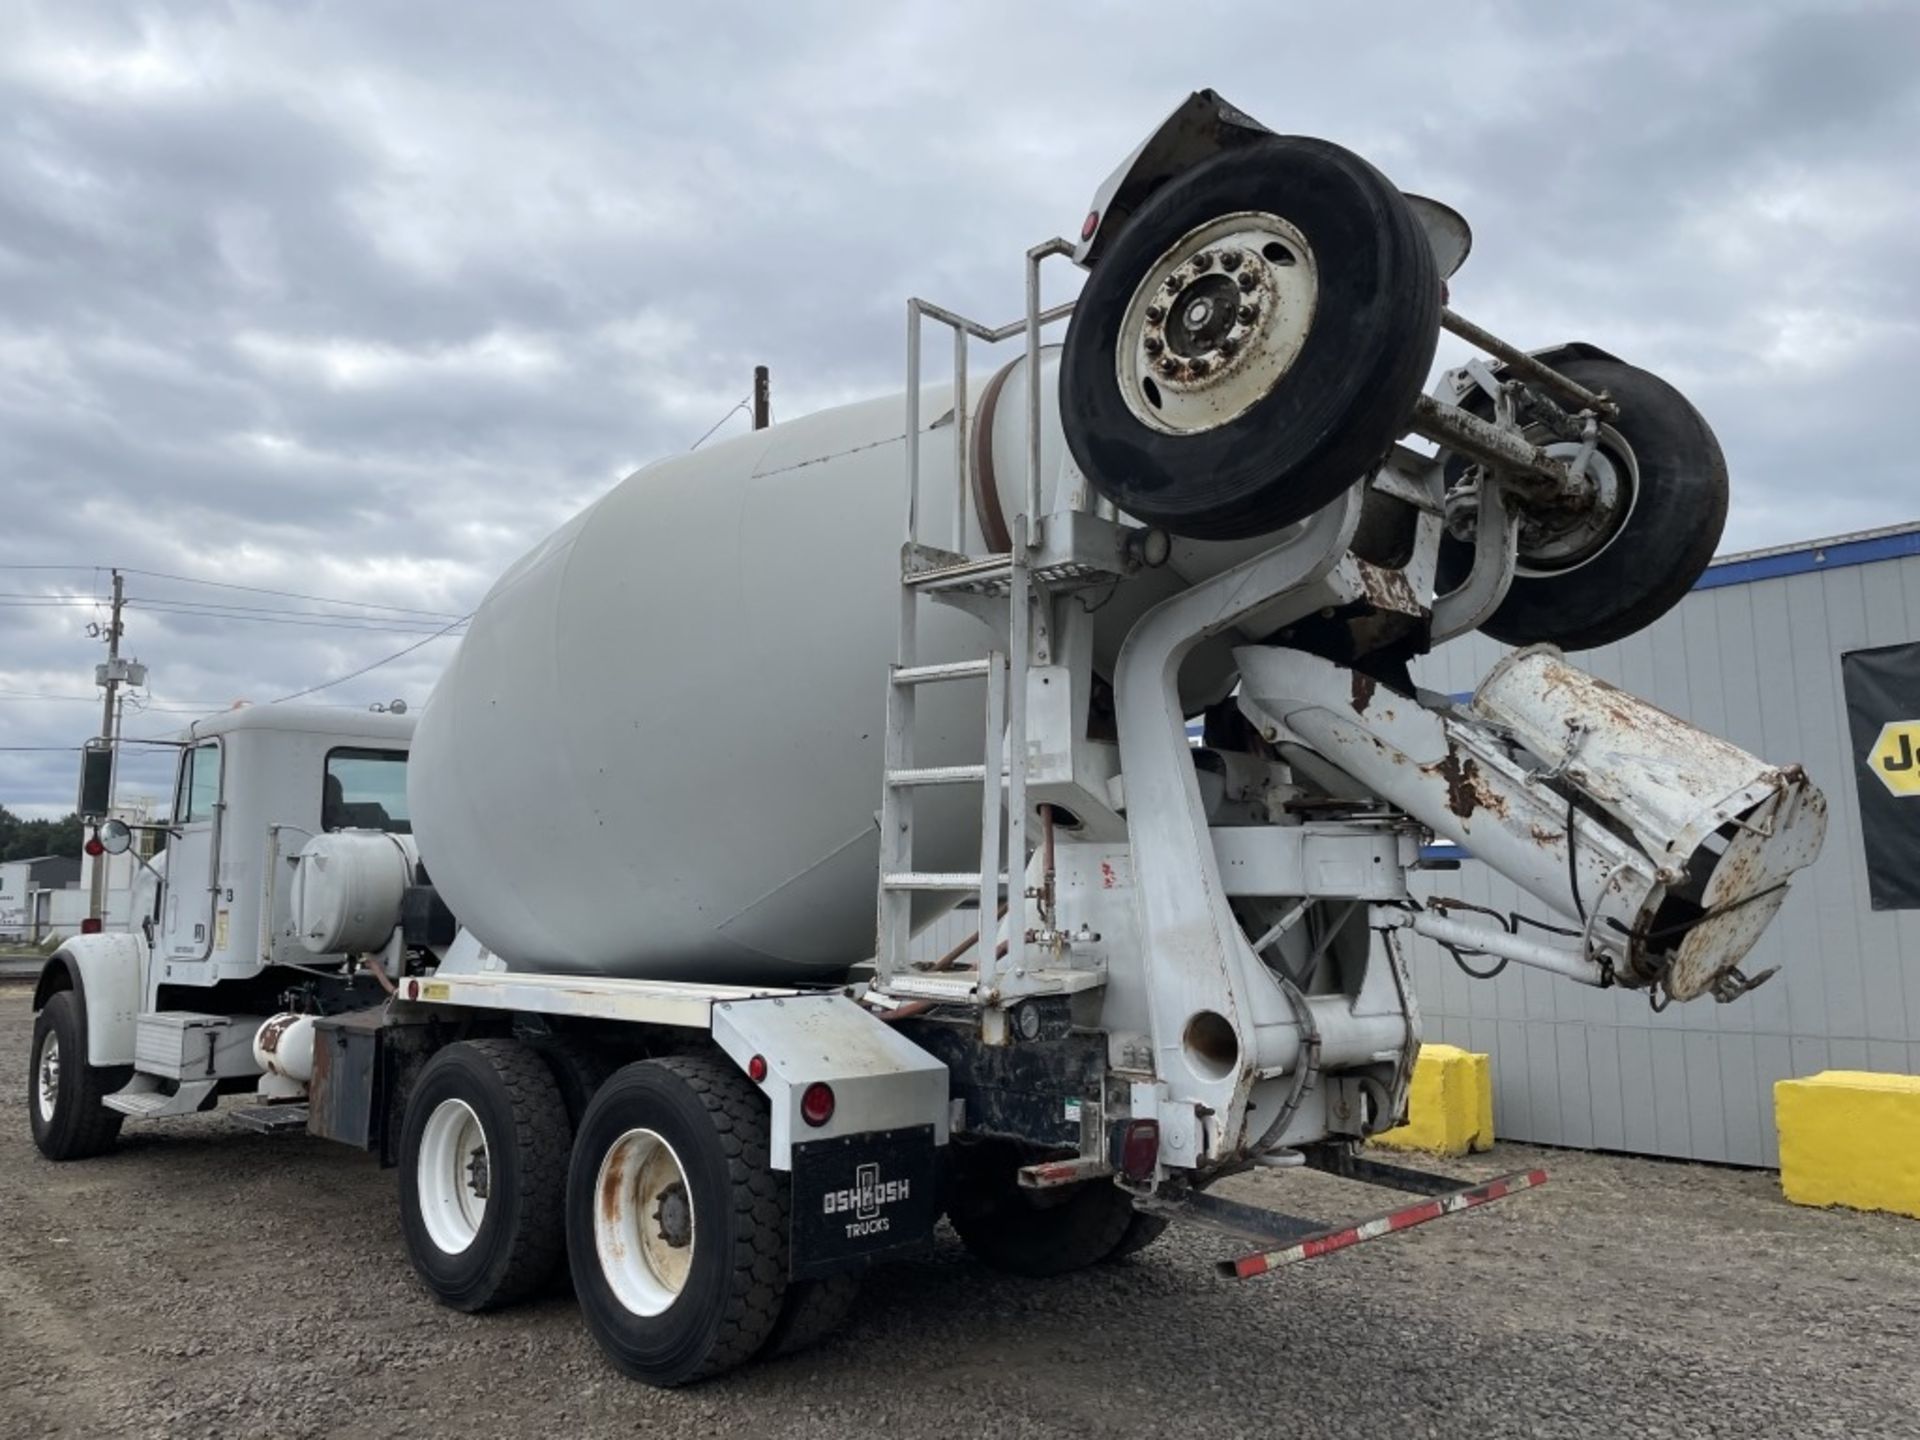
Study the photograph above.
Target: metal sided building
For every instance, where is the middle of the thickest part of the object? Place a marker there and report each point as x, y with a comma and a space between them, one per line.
1753, 654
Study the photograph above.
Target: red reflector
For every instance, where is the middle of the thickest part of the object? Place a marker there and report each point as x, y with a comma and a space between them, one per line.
816, 1103
1140, 1149
757, 1069
90, 926
94, 847
1090, 224
413, 989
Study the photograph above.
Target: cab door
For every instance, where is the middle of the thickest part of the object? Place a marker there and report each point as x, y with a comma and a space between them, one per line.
186, 916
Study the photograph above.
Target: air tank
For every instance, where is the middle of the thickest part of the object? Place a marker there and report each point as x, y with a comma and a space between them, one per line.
657, 752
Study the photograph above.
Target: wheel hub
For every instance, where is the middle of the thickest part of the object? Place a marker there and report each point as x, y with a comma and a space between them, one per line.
48, 1086
1216, 322
673, 1216
479, 1172
1555, 540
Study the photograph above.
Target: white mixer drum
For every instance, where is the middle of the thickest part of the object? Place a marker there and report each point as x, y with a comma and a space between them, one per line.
657, 752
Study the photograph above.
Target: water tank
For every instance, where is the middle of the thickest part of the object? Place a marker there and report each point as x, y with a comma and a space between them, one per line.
657, 751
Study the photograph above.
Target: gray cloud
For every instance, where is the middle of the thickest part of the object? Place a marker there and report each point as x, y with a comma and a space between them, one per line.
362, 300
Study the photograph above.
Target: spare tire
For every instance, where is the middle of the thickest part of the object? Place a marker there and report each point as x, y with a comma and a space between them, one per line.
1252, 343
1579, 587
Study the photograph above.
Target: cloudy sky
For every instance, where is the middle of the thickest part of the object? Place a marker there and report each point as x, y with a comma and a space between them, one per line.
357, 301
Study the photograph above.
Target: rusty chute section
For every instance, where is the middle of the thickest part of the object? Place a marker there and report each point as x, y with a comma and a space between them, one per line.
1664, 849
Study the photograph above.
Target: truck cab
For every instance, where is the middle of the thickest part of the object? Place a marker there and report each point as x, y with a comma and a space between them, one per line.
161, 1019
252, 786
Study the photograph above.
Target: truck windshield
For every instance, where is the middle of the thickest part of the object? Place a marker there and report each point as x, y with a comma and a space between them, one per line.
366, 790
199, 784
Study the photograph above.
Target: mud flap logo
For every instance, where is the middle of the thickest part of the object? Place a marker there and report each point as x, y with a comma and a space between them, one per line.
864, 1201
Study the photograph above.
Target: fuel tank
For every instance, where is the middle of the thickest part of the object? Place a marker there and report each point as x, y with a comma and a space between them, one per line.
657, 752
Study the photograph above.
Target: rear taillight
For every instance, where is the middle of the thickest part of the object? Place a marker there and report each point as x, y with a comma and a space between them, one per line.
1137, 1149
816, 1103
90, 926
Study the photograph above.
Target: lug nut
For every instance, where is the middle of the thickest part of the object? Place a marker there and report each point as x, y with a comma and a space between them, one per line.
1203, 261
1229, 259
1153, 344
1156, 313
1248, 279
1229, 343
1199, 366
1169, 366
1246, 313
1175, 281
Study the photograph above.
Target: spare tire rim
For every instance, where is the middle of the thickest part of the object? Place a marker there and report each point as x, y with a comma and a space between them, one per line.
455, 1176
1216, 322
1556, 541
643, 1225
47, 1090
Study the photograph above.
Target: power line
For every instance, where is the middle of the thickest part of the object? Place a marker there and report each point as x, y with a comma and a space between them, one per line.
293, 594
365, 669
262, 614
254, 589
376, 624
180, 602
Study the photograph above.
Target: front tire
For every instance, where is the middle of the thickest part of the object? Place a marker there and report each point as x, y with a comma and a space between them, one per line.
65, 1095
676, 1220
483, 1171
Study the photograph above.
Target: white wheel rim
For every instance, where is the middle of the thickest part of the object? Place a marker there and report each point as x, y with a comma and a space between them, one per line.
455, 1175
643, 1225
47, 1086
1216, 322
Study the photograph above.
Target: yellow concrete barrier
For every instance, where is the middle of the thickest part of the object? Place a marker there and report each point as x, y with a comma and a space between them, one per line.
1850, 1137
1450, 1108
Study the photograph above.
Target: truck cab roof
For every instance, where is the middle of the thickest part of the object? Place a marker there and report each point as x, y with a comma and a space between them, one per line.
303, 719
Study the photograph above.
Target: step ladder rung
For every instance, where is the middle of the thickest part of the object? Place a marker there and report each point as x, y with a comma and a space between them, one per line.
965, 572
940, 775
956, 880
933, 674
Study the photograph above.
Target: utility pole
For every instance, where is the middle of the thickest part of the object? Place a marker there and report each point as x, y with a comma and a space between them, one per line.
109, 676
762, 398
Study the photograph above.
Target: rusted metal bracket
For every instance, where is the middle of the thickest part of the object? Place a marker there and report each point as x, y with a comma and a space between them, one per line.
1535, 476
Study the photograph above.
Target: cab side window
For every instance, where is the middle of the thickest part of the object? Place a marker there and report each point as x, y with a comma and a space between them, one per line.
365, 790
199, 784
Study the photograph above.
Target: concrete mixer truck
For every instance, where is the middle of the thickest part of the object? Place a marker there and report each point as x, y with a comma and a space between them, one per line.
613, 956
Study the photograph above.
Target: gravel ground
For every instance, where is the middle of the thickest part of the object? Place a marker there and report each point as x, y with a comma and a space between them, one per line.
206, 1281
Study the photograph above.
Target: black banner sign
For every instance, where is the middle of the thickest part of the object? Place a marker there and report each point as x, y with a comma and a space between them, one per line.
1883, 717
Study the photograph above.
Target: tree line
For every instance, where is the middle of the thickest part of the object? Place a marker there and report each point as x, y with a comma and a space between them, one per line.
30, 839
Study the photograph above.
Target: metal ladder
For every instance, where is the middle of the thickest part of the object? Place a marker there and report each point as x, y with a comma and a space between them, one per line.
933, 573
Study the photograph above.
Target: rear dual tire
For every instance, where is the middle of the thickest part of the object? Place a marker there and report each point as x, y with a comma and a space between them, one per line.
677, 1222
1040, 1233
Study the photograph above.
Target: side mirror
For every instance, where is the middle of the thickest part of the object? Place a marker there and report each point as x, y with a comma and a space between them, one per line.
96, 780
116, 837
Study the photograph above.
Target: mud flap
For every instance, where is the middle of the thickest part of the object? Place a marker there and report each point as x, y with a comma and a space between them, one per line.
859, 1199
